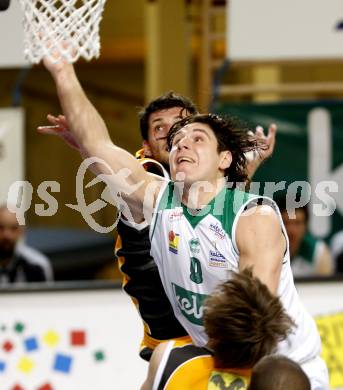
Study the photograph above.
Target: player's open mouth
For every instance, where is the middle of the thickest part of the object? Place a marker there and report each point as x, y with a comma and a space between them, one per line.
184, 159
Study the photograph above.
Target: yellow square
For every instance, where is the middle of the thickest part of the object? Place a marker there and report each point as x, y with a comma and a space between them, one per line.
26, 365
51, 338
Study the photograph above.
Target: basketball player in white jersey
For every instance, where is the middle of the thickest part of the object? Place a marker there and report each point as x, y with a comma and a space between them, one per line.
202, 229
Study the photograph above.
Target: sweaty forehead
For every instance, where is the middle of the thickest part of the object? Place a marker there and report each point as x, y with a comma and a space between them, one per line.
166, 115
195, 128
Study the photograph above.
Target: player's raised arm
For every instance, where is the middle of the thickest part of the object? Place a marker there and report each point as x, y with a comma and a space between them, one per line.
118, 168
261, 244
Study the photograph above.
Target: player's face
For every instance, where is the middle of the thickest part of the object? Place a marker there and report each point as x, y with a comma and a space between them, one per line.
195, 157
10, 232
296, 229
160, 123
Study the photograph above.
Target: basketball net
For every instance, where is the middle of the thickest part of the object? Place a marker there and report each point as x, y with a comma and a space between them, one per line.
69, 28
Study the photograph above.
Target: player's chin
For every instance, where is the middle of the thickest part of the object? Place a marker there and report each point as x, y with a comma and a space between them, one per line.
183, 175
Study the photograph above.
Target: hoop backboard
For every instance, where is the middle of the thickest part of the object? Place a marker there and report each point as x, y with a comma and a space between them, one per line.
12, 37
277, 30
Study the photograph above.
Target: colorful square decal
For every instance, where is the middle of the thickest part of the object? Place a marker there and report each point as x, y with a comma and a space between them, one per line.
47, 386
26, 365
2, 366
22, 341
19, 327
51, 338
17, 387
7, 346
78, 338
99, 356
62, 363
31, 344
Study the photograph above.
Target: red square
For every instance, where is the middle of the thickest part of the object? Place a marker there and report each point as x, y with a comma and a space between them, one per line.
7, 346
17, 387
45, 387
78, 337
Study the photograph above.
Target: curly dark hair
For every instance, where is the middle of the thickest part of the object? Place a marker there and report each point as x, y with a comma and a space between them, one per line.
231, 135
163, 102
244, 321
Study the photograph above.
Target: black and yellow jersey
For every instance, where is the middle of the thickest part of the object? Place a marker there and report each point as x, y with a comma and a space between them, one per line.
141, 280
188, 367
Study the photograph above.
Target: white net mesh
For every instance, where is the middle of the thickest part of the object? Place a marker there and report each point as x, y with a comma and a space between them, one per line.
69, 28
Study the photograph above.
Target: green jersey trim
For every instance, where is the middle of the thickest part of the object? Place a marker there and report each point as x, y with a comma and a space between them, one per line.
232, 204
164, 198
224, 207
194, 220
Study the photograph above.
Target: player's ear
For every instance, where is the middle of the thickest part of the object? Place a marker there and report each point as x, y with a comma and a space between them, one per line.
226, 159
147, 149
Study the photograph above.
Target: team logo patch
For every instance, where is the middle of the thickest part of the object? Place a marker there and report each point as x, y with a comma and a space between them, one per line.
217, 259
175, 215
218, 231
190, 304
173, 242
225, 380
194, 245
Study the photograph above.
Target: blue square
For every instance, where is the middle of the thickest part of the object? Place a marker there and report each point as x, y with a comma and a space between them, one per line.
2, 366
31, 344
63, 363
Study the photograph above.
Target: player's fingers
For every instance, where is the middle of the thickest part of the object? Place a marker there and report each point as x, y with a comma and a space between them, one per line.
259, 132
63, 121
52, 119
272, 129
50, 130
272, 135
59, 121
251, 135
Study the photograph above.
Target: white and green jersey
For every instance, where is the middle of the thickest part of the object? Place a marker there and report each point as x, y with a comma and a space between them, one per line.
194, 253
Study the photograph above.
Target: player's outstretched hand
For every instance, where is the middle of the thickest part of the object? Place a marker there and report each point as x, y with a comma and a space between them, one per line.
59, 126
256, 159
268, 139
56, 61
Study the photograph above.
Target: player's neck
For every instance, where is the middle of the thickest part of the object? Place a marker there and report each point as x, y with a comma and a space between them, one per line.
198, 195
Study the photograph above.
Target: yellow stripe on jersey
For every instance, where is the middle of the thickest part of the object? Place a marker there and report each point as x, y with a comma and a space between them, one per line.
191, 375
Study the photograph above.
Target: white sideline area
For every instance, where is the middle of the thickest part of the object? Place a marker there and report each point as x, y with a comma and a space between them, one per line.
112, 325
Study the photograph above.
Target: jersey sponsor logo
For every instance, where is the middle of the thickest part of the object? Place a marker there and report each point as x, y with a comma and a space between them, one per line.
218, 231
190, 304
173, 242
175, 215
194, 246
217, 259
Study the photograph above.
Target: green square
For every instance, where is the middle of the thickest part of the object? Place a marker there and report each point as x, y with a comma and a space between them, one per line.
99, 356
19, 327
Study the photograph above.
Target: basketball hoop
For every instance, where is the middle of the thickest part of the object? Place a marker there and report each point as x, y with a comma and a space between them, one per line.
67, 27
